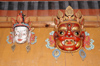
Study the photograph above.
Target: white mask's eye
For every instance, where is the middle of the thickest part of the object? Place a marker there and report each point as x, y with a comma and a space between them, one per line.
16, 34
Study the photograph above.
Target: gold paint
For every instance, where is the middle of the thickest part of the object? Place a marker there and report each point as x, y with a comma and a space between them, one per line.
73, 22
69, 11
75, 29
69, 49
62, 28
69, 31
56, 53
78, 14
59, 43
72, 43
60, 14
78, 44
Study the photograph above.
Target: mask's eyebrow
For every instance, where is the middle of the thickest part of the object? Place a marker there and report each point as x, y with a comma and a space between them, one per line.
62, 28
75, 28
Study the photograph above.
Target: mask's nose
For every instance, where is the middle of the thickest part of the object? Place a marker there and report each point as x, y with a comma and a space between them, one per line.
69, 41
20, 35
69, 33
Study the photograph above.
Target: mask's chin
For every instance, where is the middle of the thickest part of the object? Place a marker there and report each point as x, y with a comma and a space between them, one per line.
67, 45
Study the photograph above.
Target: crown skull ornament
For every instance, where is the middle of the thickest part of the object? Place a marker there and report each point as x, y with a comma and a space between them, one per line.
69, 34
21, 32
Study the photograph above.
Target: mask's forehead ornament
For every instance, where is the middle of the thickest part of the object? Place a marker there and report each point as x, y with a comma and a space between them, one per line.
21, 32
69, 35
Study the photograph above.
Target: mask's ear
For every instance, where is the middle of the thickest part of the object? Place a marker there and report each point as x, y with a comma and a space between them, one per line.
29, 37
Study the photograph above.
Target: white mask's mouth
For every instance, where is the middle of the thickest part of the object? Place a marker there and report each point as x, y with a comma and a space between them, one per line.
19, 39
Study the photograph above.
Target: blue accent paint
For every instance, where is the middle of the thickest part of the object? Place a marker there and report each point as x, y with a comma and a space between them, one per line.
21, 11
8, 40
51, 33
91, 42
35, 38
48, 42
91, 45
87, 34
23, 24
15, 24
55, 51
83, 52
32, 32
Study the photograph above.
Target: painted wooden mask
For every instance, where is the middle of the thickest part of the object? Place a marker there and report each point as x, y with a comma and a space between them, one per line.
21, 32
69, 34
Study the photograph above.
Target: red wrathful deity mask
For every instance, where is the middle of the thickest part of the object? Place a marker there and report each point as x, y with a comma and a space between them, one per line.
69, 33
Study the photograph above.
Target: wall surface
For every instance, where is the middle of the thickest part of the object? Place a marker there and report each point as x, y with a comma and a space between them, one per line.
42, 56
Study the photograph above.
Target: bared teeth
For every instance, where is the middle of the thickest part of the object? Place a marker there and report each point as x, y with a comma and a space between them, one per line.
75, 42
63, 42
71, 36
66, 36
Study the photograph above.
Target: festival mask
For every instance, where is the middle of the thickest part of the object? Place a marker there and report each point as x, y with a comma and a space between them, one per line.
69, 35
21, 32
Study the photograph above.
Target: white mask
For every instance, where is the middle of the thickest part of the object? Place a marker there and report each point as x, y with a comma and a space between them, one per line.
21, 34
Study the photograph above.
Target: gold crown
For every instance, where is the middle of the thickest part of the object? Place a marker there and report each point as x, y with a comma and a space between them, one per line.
69, 16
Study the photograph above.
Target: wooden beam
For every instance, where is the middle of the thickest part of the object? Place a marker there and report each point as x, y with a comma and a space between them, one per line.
48, 21
49, 24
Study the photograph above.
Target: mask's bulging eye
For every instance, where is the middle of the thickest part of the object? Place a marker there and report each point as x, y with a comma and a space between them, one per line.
76, 33
61, 33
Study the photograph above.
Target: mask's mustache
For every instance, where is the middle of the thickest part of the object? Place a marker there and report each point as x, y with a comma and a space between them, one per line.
64, 38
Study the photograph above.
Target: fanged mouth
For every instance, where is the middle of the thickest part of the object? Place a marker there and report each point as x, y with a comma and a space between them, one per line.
66, 42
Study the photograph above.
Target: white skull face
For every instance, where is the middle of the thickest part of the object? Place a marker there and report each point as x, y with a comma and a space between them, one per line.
21, 34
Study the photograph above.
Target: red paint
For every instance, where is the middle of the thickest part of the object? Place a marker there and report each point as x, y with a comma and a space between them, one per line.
66, 37
13, 13
19, 39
